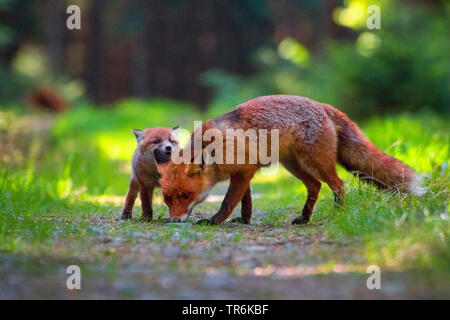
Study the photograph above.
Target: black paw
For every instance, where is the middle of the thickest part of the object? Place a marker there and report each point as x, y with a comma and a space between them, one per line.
206, 222
239, 220
170, 220
125, 216
300, 220
146, 218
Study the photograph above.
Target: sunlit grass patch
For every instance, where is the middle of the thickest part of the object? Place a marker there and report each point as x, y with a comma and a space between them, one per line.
420, 141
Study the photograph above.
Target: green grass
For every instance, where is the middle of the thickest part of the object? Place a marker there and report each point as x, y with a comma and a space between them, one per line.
58, 183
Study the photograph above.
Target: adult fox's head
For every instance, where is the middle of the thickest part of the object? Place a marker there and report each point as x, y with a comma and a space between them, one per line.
184, 186
156, 143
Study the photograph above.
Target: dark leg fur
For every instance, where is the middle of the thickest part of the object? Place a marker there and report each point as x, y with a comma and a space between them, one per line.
246, 210
130, 199
239, 185
313, 187
146, 202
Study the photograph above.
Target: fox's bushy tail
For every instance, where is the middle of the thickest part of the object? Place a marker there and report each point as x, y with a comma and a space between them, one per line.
361, 157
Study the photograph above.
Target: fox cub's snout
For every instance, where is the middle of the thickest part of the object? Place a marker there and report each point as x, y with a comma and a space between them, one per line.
163, 152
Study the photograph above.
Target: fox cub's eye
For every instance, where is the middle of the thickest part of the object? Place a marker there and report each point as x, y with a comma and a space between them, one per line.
186, 195
171, 141
156, 141
166, 198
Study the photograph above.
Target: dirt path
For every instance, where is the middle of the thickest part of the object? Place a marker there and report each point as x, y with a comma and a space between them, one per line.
177, 261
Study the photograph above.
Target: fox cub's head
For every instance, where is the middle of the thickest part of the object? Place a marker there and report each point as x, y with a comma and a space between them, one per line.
156, 143
184, 186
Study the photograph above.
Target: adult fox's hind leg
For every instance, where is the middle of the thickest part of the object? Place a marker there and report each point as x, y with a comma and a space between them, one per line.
319, 164
326, 172
130, 199
312, 186
331, 178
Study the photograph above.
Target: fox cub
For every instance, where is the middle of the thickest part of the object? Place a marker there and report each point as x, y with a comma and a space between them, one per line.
155, 146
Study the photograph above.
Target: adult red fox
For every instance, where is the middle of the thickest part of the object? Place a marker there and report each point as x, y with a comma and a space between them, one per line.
313, 137
155, 146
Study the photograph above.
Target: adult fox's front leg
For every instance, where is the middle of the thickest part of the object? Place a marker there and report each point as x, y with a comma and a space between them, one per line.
239, 184
246, 209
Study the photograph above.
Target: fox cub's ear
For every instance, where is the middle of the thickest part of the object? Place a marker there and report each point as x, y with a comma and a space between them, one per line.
176, 132
139, 134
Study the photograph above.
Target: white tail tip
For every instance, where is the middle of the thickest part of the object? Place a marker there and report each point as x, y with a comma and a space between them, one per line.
415, 186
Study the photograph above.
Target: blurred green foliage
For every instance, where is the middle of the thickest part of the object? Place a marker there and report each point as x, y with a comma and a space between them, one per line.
13, 85
404, 66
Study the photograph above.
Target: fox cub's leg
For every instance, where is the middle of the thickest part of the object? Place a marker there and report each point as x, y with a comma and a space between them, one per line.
146, 202
246, 210
130, 199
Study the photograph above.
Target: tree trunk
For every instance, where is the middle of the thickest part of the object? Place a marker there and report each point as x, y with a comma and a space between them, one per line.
54, 29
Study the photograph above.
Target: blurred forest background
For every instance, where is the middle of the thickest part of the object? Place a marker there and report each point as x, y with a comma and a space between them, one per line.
219, 53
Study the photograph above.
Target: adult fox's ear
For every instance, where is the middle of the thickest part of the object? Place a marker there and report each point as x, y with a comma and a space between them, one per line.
139, 134
176, 128
194, 169
198, 164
